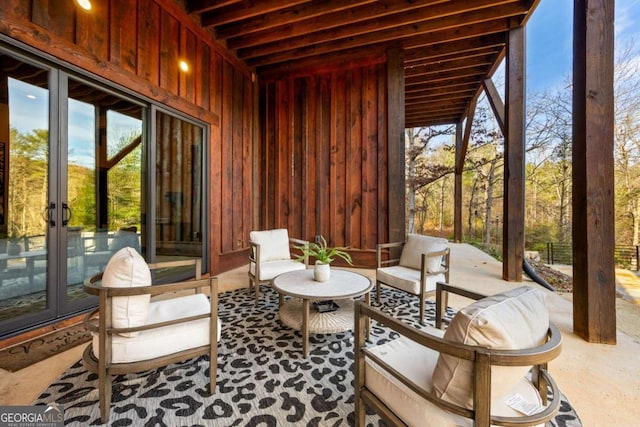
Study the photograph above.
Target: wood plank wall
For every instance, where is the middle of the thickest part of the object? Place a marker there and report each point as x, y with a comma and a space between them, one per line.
324, 158
137, 44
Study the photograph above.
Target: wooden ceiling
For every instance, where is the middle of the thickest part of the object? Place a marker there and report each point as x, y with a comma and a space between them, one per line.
449, 46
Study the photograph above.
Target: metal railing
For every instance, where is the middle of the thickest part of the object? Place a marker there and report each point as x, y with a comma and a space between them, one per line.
626, 256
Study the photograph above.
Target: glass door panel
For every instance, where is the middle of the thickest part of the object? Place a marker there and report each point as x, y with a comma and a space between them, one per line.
24, 181
178, 188
103, 180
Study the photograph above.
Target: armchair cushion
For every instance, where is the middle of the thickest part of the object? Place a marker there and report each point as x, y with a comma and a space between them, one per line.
168, 339
416, 245
127, 269
274, 244
516, 319
407, 279
402, 354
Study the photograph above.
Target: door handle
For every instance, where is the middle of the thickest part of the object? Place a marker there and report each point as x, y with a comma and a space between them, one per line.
49, 214
66, 218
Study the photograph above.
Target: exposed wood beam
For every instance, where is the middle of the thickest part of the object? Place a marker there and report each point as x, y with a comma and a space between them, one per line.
460, 64
419, 20
201, 6
594, 281
444, 76
457, 192
242, 11
461, 155
446, 93
450, 83
452, 58
428, 32
315, 16
496, 103
446, 48
514, 132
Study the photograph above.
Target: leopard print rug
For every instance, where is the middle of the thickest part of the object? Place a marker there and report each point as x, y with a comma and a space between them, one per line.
262, 378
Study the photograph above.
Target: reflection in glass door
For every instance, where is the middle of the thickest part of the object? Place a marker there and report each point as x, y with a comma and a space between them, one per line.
103, 181
24, 181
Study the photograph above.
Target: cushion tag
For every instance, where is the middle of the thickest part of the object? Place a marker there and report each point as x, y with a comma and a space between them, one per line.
517, 402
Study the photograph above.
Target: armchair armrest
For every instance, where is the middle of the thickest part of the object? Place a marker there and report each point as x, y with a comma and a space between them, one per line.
385, 247
442, 299
105, 293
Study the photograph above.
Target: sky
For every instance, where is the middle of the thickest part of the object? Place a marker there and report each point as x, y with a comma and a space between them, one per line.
549, 40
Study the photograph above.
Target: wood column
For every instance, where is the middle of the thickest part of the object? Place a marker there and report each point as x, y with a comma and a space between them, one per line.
396, 146
594, 307
457, 203
513, 208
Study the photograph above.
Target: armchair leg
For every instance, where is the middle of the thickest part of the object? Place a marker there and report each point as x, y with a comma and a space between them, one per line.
378, 292
422, 304
360, 413
104, 386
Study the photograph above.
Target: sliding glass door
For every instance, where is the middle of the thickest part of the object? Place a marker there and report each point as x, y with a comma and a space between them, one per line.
75, 187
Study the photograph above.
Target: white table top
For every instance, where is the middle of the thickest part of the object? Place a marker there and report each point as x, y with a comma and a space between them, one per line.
341, 284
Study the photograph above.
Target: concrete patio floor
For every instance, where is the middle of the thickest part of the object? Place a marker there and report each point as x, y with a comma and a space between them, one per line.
602, 382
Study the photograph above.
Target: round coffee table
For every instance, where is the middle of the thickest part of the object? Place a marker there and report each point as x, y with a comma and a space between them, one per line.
342, 287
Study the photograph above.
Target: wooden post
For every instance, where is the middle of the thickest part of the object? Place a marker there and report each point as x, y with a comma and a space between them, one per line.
396, 145
457, 205
513, 208
594, 306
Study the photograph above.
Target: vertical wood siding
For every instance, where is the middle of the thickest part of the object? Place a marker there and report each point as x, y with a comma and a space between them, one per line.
137, 45
324, 162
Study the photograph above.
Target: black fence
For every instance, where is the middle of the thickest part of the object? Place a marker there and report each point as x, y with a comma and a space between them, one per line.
626, 256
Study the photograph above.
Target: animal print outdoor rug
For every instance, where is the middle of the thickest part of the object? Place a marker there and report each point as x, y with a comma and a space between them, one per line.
262, 379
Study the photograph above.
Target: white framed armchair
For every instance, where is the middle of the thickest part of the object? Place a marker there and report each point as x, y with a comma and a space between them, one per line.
421, 263
133, 332
491, 360
270, 255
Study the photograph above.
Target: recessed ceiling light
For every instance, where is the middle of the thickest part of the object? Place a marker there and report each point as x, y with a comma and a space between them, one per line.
85, 4
183, 65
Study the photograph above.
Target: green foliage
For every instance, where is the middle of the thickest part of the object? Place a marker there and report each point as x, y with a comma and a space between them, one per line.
322, 253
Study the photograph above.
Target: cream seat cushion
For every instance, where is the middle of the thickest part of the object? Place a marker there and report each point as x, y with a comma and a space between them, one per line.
270, 269
404, 354
407, 279
512, 320
274, 244
127, 269
416, 245
168, 339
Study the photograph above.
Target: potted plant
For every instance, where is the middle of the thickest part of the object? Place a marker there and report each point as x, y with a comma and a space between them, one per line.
324, 256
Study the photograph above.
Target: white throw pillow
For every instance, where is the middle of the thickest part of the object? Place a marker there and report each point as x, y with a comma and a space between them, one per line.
274, 244
512, 320
127, 269
416, 245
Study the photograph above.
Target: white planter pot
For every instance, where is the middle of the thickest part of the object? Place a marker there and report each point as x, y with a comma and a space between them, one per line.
321, 272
